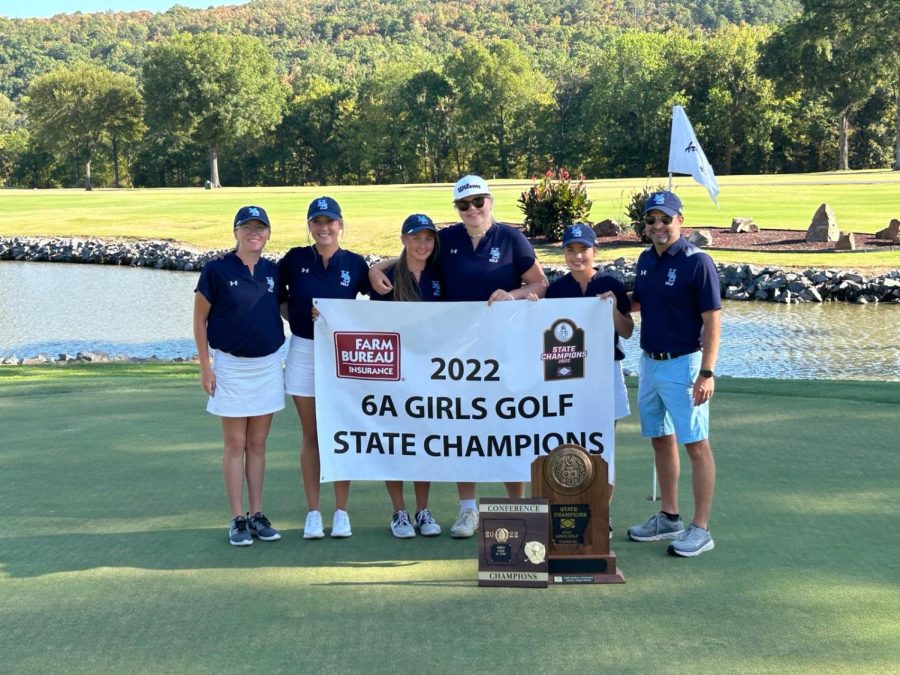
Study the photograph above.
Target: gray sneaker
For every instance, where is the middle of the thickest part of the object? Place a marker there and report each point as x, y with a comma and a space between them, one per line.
465, 524
401, 527
239, 532
656, 528
426, 524
693, 541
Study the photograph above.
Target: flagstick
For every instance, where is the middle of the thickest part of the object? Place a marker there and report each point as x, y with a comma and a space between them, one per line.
670, 181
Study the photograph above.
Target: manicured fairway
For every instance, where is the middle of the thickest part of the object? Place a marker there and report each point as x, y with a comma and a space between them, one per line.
863, 201
114, 557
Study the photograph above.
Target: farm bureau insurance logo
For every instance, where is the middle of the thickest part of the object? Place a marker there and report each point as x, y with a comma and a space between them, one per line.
564, 353
367, 356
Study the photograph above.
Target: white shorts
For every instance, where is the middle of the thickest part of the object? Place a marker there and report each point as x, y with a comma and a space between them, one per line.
620, 392
246, 387
299, 368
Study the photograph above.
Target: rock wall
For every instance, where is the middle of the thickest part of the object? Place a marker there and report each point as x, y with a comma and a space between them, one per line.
738, 282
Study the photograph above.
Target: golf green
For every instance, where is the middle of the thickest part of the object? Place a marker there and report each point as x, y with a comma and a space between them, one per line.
114, 555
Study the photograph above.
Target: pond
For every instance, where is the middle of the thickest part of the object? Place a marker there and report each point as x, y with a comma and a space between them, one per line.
63, 309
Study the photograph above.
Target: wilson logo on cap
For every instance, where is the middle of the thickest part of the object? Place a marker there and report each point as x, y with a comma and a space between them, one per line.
469, 186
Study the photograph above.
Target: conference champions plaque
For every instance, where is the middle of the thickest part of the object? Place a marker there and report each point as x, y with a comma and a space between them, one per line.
512, 542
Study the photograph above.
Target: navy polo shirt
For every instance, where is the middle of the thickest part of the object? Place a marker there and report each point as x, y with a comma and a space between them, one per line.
567, 287
304, 277
244, 319
430, 286
499, 260
674, 289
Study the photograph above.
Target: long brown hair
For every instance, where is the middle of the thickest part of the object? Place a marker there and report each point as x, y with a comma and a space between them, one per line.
406, 287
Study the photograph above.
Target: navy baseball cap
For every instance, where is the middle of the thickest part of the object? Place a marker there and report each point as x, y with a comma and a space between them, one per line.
323, 206
416, 223
579, 233
248, 213
664, 201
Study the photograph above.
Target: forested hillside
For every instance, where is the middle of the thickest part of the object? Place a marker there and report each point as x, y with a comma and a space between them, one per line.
416, 90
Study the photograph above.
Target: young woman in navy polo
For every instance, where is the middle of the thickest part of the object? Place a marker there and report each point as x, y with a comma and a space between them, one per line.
415, 278
582, 281
323, 270
236, 316
480, 260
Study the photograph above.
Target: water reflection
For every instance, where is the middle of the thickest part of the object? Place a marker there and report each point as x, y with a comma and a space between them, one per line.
59, 308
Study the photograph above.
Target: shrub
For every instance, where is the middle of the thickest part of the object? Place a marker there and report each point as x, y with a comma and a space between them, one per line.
553, 204
634, 207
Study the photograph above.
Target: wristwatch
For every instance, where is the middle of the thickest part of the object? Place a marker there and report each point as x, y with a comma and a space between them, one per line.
707, 373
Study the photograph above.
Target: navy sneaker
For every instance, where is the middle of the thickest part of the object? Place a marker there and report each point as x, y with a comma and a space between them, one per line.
239, 532
262, 528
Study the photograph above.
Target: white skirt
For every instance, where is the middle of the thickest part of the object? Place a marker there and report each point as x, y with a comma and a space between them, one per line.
299, 368
246, 387
620, 392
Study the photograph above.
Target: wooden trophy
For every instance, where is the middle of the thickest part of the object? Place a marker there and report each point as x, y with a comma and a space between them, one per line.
576, 486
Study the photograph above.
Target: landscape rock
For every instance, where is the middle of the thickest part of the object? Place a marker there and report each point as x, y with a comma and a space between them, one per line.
823, 226
608, 228
743, 225
891, 232
701, 238
846, 242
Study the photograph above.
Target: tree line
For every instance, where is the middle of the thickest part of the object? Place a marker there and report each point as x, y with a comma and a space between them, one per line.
818, 93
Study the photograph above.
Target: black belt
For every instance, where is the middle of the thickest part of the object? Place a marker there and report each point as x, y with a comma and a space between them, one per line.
667, 356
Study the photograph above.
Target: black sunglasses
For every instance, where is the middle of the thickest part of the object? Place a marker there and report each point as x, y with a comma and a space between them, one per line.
463, 205
651, 220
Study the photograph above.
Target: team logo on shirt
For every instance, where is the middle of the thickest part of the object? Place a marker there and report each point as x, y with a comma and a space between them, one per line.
495, 255
345, 278
367, 356
670, 277
233, 283
564, 352
270, 282
436, 288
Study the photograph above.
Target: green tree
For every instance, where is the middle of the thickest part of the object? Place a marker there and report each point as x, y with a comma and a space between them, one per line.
730, 103
76, 111
13, 138
498, 95
213, 89
840, 49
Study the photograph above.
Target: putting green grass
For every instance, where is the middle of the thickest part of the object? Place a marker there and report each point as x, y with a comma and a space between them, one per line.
863, 201
114, 556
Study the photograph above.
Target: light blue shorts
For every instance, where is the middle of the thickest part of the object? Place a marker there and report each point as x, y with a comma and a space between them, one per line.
665, 402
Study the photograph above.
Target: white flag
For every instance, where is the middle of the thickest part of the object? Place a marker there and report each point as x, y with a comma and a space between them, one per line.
686, 155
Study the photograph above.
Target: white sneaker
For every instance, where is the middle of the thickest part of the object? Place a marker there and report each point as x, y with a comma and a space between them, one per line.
313, 528
340, 525
401, 527
465, 524
427, 525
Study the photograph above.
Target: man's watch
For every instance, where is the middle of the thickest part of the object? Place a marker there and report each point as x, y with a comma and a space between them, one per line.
707, 373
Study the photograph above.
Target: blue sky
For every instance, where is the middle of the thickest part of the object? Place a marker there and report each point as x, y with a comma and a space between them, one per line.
19, 9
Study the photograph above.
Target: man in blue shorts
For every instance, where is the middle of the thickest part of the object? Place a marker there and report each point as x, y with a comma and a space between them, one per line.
676, 289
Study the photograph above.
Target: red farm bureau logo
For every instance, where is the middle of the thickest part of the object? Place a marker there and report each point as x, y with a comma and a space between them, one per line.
367, 356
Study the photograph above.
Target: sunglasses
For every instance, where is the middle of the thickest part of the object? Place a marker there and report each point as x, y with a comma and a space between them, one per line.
463, 204
652, 220
252, 228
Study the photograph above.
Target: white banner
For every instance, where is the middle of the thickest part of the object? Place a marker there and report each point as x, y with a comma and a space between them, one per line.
686, 155
460, 391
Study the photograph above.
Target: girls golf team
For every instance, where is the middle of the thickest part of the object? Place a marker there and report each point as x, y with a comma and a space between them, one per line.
241, 297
